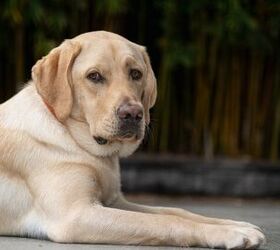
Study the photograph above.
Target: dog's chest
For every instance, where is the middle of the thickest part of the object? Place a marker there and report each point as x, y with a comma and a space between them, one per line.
109, 182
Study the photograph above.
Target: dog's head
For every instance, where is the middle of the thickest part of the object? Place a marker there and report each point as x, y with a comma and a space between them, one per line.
103, 82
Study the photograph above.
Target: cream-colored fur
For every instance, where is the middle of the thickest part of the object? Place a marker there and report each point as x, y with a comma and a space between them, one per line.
57, 182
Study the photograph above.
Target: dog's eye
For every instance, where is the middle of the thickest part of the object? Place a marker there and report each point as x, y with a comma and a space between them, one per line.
95, 77
135, 74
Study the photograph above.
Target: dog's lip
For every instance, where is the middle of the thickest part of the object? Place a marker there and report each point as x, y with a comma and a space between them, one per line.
126, 138
127, 135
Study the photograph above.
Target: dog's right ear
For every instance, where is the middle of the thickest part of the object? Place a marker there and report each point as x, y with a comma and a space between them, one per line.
52, 77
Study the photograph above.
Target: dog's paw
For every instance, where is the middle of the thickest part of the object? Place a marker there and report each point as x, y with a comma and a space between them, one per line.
245, 237
235, 237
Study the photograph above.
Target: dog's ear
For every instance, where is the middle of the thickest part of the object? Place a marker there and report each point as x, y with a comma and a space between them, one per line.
150, 91
52, 77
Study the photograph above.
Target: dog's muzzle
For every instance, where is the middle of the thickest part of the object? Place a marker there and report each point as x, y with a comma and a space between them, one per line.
129, 123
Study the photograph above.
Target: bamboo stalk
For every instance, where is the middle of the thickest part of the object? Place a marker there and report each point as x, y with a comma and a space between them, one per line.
255, 78
275, 136
19, 55
234, 106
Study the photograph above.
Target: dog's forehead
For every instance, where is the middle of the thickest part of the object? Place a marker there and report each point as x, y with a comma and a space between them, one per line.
102, 45
108, 53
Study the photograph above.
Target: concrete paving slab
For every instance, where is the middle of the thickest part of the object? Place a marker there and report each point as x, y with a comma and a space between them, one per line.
264, 213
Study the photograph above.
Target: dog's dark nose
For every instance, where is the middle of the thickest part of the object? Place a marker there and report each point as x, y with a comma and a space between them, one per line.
130, 113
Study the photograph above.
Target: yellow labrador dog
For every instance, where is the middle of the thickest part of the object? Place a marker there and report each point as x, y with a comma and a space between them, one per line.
61, 138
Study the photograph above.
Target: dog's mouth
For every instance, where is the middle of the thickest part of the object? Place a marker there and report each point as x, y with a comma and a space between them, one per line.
124, 134
100, 140
128, 137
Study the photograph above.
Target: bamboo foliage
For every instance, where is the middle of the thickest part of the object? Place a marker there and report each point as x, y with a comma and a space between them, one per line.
217, 64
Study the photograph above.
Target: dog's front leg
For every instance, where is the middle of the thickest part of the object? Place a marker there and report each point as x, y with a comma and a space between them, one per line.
98, 224
122, 203
257, 236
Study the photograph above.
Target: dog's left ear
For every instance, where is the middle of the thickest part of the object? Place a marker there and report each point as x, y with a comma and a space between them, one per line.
52, 77
150, 91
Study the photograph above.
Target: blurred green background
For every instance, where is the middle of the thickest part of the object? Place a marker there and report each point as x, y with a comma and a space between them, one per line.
217, 65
